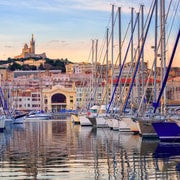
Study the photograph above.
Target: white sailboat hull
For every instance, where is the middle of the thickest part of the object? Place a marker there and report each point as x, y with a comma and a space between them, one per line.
101, 122
115, 124
43, 116
84, 121
127, 124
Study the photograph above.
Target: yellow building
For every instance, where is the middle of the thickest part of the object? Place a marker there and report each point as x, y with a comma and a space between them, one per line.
78, 68
6, 75
32, 62
59, 97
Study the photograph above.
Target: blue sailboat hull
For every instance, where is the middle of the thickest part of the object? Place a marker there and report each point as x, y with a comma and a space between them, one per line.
167, 131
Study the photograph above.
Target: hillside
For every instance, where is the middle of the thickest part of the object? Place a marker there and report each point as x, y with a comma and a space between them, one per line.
35, 64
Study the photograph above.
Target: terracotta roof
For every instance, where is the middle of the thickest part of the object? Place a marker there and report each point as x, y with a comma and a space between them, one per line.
128, 81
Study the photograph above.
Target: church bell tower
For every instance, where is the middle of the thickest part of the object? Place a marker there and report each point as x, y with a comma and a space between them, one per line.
32, 45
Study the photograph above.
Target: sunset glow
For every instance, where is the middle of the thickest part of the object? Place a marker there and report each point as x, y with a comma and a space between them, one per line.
64, 29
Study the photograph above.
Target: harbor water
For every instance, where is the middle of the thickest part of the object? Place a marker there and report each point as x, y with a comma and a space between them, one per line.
60, 150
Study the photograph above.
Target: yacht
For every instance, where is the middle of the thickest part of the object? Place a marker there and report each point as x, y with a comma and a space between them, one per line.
38, 115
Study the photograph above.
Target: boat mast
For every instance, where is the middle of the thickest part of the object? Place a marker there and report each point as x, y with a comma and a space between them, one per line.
139, 68
107, 46
122, 66
95, 69
142, 56
155, 50
112, 50
120, 45
138, 61
132, 34
92, 78
163, 50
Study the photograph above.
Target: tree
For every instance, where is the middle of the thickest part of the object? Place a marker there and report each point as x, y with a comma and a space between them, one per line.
14, 66
41, 67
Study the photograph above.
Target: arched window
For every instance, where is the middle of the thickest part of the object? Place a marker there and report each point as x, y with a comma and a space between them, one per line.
58, 98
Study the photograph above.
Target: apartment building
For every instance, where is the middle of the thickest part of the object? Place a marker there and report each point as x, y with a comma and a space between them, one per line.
27, 100
173, 91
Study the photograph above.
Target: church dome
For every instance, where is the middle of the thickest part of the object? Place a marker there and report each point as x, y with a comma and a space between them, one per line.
25, 46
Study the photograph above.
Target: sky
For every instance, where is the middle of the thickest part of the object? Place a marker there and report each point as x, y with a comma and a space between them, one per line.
65, 29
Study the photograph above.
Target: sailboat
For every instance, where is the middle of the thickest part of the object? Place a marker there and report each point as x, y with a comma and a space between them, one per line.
168, 130
19, 117
37, 115
6, 116
88, 111
145, 122
100, 120
128, 119
80, 117
87, 115
120, 122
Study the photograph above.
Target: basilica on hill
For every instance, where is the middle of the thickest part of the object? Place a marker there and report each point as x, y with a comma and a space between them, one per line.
29, 52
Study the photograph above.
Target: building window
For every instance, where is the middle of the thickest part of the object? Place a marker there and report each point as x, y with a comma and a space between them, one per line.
35, 95
35, 105
35, 99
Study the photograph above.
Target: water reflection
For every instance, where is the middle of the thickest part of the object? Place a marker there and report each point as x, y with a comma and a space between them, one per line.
168, 159
61, 150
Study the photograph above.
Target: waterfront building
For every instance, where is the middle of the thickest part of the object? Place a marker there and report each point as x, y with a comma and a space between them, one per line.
59, 97
85, 94
173, 91
127, 70
52, 90
78, 68
86, 68
5, 75
27, 100
38, 90
37, 73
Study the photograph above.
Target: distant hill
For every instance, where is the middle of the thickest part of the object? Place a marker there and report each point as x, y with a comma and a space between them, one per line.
37, 64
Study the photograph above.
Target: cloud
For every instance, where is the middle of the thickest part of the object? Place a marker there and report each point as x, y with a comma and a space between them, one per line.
8, 46
59, 5
84, 5
57, 44
53, 41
